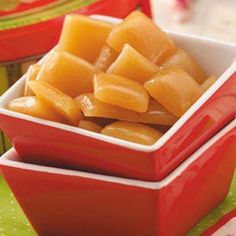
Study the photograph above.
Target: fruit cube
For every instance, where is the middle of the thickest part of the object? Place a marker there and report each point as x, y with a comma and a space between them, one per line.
120, 91
57, 100
106, 57
89, 125
31, 75
208, 83
68, 73
174, 89
142, 34
133, 132
156, 114
131, 64
83, 36
100, 120
92, 107
185, 62
33, 106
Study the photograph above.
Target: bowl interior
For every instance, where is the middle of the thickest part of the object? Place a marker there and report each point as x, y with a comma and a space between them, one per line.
214, 57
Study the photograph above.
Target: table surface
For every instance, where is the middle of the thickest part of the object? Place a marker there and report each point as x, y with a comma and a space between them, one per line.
209, 18
13, 222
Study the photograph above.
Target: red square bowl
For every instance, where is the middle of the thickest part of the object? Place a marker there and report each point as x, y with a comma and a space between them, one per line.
69, 202
50, 143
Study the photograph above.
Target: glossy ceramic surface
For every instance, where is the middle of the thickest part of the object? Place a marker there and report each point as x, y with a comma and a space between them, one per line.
44, 142
66, 202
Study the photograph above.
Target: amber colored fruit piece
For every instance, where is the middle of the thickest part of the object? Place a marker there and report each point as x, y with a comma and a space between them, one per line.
156, 114
32, 106
83, 36
161, 128
106, 57
142, 34
89, 125
68, 73
92, 107
175, 89
120, 91
208, 83
101, 121
131, 64
31, 75
185, 62
59, 101
133, 132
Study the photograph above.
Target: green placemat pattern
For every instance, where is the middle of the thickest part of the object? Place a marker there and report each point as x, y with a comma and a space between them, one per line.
13, 222
44, 14
227, 206
4, 143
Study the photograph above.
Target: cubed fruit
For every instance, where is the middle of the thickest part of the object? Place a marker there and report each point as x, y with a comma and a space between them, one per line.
185, 62
133, 132
70, 74
131, 64
161, 128
92, 107
208, 83
57, 100
120, 91
100, 120
33, 106
31, 75
141, 33
175, 89
83, 36
89, 125
106, 57
156, 114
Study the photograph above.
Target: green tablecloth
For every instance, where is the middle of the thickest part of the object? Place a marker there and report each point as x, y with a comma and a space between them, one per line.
13, 222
